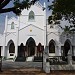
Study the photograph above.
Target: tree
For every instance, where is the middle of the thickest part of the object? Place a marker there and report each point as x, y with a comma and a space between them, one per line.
19, 5
63, 9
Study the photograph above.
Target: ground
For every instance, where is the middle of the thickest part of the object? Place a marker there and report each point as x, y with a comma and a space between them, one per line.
33, 71
28, 68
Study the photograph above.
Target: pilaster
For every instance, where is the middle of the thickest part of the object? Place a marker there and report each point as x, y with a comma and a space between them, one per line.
4, 36
45, 26
17, 37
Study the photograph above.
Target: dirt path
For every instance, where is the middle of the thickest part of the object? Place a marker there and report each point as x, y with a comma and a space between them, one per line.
33, 71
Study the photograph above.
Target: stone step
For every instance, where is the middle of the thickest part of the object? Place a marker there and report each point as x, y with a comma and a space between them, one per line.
20, 59
30, 58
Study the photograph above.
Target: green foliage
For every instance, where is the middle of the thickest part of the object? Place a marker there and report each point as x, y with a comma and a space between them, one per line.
67, 29
50, 20
54, 18
22, 4
63, 8
19, 5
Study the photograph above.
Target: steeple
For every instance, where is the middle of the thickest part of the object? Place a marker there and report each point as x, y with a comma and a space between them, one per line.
44, 5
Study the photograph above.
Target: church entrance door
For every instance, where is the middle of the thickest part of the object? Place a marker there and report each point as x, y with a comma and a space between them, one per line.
30, 46
66, 48
21, 51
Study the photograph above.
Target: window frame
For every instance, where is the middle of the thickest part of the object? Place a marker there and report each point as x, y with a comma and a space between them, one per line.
31, 14
12, 25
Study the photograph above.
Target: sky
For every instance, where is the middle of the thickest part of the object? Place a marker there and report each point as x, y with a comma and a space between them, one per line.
2, 16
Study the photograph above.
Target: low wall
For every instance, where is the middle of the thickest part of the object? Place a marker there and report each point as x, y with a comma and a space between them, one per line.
62, 67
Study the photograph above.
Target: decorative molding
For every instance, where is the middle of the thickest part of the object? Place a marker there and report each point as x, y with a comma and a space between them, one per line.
35, 15
31, 35
31, 25
10, 33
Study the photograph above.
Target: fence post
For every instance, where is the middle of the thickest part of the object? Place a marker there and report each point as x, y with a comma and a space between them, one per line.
69, 58
1, 64
47, 66
46, 63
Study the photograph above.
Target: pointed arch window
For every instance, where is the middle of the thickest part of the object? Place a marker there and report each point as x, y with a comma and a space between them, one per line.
31, 16
52, 46
12, 25
12, 48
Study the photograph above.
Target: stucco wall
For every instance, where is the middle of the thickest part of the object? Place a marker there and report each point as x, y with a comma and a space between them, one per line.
31, 31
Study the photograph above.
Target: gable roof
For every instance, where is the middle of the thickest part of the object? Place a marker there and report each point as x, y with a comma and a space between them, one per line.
39, 4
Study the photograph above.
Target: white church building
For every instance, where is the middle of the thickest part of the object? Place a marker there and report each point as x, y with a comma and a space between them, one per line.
29, 34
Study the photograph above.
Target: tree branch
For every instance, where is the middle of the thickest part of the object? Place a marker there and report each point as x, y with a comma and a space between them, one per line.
7, 10
4, 3
1, 0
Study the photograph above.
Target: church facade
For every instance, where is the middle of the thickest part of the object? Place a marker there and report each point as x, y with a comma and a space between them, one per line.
29, 34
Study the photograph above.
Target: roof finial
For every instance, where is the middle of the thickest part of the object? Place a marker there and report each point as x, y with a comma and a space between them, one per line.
44, 5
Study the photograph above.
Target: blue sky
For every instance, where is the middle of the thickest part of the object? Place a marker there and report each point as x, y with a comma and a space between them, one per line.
10, 14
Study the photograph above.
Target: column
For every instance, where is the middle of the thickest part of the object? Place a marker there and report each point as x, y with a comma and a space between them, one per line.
73, 52
45, 27
17, 40
4, 36
59, 50
17, 37
35, 51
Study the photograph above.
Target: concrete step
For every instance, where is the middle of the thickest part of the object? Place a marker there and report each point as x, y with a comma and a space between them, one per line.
30, 58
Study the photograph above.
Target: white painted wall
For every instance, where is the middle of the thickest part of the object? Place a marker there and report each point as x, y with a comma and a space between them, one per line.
37, 34
1, 40
39, 16
24, 29
13, 19
11, 36
22, 34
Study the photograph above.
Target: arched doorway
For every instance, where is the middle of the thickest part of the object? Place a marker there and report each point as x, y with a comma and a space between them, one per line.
66, 48
10, 49
30, 44
21, 51
39, 49
52, 46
